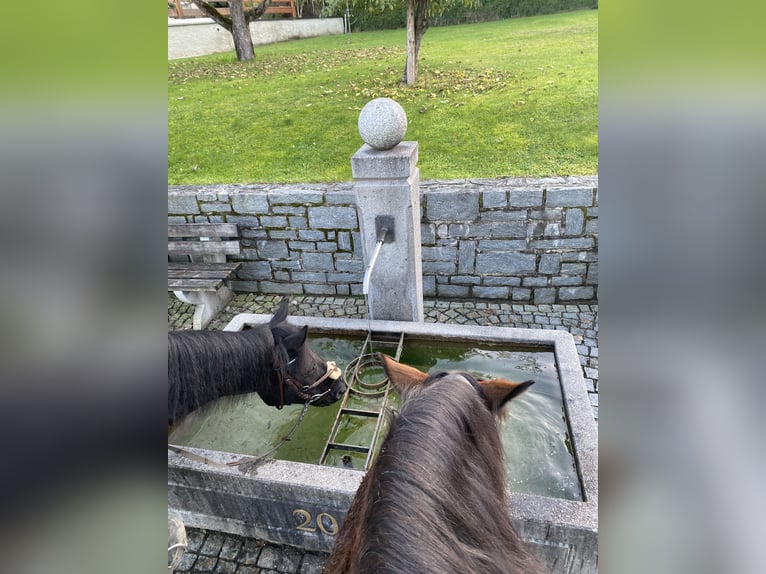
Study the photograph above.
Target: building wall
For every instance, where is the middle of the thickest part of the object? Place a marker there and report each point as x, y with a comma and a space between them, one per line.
202, 36
521, 240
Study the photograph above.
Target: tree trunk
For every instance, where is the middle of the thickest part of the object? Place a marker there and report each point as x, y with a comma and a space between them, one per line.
411, 63
417, 24
237, 23
240, 31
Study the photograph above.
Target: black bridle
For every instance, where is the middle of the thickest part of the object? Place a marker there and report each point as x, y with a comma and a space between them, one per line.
333, 372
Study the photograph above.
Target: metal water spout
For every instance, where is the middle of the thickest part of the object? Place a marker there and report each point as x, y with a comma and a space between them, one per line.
385, 234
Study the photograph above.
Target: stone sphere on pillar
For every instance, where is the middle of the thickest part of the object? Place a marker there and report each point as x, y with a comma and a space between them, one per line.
382, 123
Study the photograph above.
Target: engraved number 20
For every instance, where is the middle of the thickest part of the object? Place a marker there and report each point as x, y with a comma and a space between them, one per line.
326, 522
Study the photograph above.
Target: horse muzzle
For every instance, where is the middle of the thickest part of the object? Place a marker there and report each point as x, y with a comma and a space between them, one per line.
336, 389
331, 395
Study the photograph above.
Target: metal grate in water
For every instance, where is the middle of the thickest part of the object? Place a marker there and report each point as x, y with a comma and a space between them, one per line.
365, 400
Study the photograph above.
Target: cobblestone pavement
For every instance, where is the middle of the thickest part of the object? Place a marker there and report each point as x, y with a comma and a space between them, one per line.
214, 552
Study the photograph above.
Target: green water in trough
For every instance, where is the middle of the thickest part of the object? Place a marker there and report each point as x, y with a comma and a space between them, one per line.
535, 435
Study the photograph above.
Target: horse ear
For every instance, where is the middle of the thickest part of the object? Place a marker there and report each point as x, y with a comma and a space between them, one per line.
296, 340
500, 391
403, 377
281, 313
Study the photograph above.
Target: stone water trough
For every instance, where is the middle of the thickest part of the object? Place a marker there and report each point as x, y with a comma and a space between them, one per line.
303, 505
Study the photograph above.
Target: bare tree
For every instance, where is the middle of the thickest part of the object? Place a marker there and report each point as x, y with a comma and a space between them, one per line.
418, 13
237, 23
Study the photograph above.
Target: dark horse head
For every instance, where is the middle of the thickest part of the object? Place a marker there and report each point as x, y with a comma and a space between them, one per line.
273, 360
435, 500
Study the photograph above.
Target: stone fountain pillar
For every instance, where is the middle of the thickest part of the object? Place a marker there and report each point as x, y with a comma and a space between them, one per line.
388, 203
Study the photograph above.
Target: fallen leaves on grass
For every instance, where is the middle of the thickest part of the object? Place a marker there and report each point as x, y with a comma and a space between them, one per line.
446, 85
432, 84
181, 71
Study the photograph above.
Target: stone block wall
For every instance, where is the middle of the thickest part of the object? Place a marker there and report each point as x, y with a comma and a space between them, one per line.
522, 240
528, 241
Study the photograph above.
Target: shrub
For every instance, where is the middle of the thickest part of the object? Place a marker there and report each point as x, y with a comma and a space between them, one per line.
364, 17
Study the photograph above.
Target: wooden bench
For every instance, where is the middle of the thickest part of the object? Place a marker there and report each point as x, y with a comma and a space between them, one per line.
176, 8
197, 268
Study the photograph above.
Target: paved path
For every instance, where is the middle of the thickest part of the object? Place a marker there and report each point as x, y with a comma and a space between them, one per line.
214, 552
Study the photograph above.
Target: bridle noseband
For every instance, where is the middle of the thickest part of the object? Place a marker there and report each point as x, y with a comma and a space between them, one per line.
333, 373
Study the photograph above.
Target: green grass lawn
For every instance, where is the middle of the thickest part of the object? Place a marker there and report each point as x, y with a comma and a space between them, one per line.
509, 98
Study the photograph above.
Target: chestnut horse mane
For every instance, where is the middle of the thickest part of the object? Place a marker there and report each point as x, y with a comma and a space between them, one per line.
435, 499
